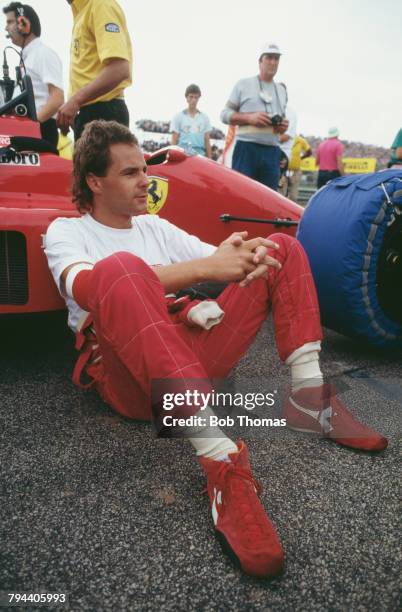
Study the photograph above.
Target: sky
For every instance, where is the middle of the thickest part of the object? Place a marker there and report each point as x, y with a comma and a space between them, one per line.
342, 60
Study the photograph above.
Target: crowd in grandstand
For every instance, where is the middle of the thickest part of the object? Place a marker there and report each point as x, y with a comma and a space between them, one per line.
352, 149
357, 149
152, 145
160, 127
163, 127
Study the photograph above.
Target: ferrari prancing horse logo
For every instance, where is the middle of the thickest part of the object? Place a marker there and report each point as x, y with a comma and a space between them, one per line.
157, 194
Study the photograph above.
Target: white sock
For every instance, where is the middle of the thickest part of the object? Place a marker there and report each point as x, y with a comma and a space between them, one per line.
217, 449
216, 445
305, 366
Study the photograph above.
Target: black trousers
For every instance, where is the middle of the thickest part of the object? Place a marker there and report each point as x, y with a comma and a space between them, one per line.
49, 131
113, 110
326, 175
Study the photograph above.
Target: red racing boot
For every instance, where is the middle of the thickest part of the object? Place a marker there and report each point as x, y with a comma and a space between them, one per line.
319, 410
241, 523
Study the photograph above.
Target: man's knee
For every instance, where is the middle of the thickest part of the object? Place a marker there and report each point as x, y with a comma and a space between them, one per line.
120, 264
287, 245
283, 240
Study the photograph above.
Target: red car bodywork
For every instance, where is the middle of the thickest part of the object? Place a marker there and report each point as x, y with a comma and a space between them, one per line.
31, 196
200, 191
191, 192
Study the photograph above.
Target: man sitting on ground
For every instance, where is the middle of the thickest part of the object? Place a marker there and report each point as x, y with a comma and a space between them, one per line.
114, 265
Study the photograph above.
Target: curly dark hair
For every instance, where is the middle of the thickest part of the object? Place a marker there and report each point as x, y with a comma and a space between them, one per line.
92, 154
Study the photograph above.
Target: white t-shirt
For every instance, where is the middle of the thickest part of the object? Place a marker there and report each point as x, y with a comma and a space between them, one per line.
191, 131
151, 238
44, 67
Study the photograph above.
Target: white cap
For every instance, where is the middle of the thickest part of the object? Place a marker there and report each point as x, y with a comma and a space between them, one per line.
272, 48
333, 132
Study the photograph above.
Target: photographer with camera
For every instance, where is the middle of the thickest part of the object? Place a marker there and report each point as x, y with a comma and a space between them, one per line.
258, 106
40, 62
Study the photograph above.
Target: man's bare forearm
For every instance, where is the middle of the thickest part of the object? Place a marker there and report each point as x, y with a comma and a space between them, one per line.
241, 118
184, 274
56, 99
111, 75
233, 261
341, 168
208, 148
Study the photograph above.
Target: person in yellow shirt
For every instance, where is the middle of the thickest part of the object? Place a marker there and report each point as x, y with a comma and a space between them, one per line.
300, 150
100, 66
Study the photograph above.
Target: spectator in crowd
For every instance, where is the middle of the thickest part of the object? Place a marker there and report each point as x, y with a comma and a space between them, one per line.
329, 158
300, 150
396, 151
42, 64
114, 264
258, 106
286, 142
191, 128
100, 65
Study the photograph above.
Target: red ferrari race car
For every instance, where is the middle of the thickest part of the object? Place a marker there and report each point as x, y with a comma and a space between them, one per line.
355, 249
197, 194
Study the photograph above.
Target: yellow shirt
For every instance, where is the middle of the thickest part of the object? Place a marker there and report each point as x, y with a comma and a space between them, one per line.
99, 33
299, 145
65, 146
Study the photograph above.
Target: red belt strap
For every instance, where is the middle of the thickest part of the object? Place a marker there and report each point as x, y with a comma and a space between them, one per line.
90, 356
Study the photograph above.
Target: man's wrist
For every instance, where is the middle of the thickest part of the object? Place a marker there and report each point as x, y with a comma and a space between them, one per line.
203, 269
239, 118
248, 118
77, 99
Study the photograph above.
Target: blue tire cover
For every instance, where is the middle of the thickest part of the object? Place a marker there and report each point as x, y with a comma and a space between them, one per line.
342, 231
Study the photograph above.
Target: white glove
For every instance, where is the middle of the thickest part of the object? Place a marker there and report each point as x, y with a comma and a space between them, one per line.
206, 314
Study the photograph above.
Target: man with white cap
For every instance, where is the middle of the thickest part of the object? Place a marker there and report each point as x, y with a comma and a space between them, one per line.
329, 158
258, 106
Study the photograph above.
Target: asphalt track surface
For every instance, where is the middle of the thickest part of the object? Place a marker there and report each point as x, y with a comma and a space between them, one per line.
94, 506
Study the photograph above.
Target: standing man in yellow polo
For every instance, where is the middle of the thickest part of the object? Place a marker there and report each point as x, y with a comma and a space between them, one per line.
100, 66
300, 150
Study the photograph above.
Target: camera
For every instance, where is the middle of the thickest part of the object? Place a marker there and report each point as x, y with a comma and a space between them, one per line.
276, 120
